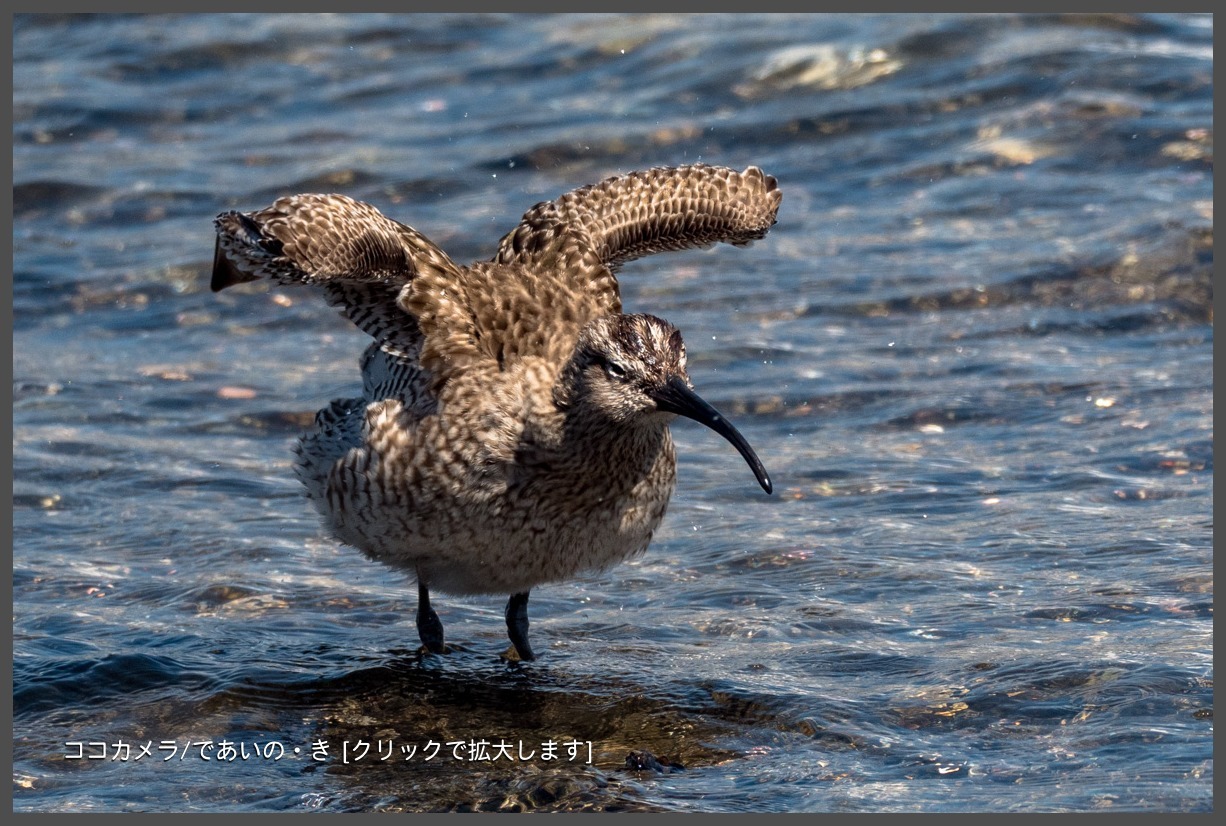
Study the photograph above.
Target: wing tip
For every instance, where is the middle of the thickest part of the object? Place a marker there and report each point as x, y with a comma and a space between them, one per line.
225, 274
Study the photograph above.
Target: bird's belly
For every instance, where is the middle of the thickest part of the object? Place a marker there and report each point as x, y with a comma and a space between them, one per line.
493, 539
469, 517
504, 559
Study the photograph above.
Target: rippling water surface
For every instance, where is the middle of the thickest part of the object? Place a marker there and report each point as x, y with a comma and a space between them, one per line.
975, 354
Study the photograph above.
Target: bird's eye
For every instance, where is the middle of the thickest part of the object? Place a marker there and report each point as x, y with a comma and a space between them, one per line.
615, 371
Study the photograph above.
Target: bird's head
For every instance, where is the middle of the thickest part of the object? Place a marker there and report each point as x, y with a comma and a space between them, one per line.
629, 371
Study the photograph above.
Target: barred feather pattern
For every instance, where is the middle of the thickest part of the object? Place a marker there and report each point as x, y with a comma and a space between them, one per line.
476, 456
591, 232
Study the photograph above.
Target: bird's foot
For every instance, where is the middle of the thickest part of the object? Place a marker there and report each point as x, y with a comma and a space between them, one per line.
512, 655
429, 626
431, 632
517, 629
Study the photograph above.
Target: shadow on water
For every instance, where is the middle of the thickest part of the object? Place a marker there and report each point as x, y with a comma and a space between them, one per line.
468, 732
691, 726
460, 733
512, 739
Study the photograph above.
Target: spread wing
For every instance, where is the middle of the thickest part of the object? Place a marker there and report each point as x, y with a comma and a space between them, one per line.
553, 272
589, 233
358, 256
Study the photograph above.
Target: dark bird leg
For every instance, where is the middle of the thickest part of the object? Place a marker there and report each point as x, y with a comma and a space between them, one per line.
429, 628
517, 625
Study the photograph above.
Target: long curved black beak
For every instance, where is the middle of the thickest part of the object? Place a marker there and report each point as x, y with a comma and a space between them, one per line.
677, 397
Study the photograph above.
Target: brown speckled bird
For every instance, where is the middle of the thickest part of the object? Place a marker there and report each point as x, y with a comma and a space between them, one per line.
513, 423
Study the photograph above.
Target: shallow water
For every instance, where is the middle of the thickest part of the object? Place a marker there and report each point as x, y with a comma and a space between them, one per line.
975, 354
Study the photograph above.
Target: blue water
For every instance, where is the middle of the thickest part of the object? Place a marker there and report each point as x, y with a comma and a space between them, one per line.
975, 355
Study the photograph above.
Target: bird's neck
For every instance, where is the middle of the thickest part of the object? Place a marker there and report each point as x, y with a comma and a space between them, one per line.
618, 453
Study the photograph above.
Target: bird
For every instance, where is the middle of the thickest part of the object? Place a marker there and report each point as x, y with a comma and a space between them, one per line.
513, 426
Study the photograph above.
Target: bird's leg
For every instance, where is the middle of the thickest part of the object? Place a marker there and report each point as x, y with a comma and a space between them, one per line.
429, 628
517, 625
